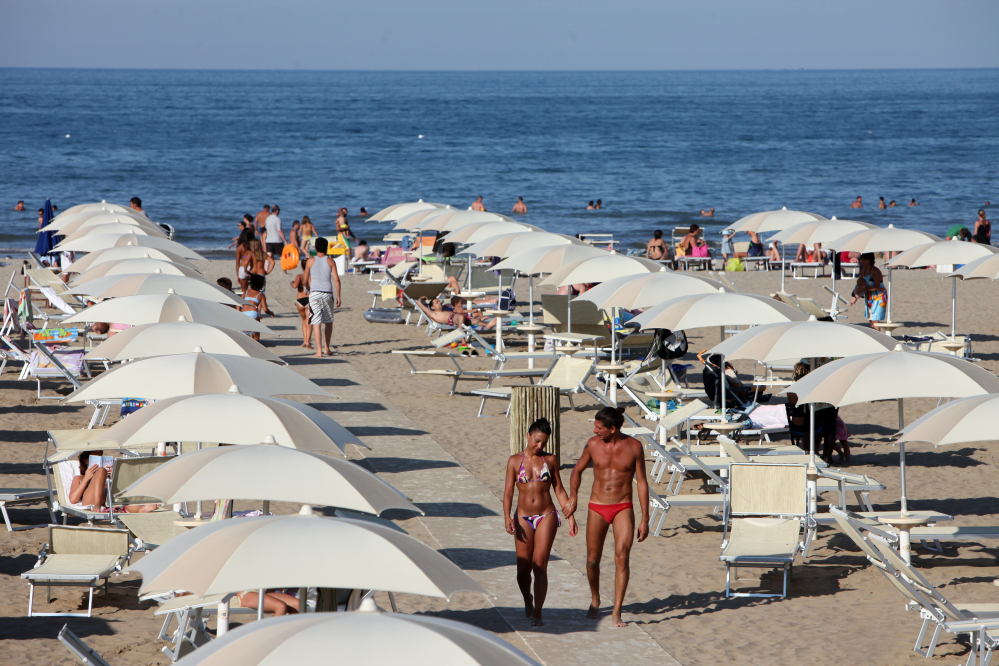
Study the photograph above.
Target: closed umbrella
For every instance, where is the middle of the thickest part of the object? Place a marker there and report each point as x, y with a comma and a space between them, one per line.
473, 233
179, 337
507, 245
121, 238
945, 252
114, 228
143, 284
157, 308
299, 551
134, 266
229, 418
395, 211
358, 638
774, 220
272, 473
43, 244
957, 422
164, 377
126, 252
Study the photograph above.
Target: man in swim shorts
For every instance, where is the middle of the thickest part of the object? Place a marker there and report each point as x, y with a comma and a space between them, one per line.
617, 460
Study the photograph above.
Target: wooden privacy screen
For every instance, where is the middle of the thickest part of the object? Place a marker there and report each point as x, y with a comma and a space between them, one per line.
529, 404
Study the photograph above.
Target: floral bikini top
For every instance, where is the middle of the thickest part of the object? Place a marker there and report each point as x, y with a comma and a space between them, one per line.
545, 475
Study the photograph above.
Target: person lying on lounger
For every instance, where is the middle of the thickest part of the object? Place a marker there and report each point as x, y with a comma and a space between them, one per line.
277, 601
435, 312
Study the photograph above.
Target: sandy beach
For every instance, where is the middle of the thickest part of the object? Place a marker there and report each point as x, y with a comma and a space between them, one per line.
838, 611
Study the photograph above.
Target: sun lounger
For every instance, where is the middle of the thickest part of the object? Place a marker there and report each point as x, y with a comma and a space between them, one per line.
124, 473
20, 496
86, 654
77, 556
767, 510
660, 505
567, 374
152, 530
46, 363
815, 266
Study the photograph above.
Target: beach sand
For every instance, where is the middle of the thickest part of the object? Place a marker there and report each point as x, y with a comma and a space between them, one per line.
838, 611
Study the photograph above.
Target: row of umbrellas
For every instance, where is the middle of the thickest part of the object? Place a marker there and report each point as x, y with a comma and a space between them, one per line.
187, 351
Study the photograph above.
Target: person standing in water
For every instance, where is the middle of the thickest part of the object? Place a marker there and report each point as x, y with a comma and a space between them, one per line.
618, 462
321, 278
520, 207
535, 474
983, 230
478, 205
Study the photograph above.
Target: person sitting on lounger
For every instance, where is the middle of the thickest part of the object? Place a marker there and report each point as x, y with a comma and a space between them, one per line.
435, 312
277, 601
535, 474
89, 487
473, 317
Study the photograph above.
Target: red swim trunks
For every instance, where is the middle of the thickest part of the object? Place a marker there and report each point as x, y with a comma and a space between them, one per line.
608, 511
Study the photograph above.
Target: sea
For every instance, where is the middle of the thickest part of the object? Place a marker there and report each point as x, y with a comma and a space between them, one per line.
202, 147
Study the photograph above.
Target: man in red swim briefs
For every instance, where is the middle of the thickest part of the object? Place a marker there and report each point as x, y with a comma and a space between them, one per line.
617, 460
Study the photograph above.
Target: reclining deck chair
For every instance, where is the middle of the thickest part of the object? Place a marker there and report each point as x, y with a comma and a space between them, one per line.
568, 374
46, 363
80, 557
124, 473
20, 496
767, 510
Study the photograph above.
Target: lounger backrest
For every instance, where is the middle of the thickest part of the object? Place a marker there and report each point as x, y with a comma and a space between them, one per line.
484, 276
418, 290
586, 318
67, 540
767, 490
811, 307
448, 338
401, 269
741, 246
894, 558
788, 299
569, 372
855, 535
710, 473
646, 382
681, 414
127, 471
733, 450
435, 273
154, 528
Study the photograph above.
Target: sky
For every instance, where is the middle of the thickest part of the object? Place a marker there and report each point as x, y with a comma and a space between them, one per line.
500, 34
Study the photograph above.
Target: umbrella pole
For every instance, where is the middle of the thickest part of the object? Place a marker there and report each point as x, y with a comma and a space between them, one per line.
199, 512
811, 434
953, 307
889, 293
721, 364
267, 508
469, 272
530, 284
782, 267
568, 305
260, 604
222, 625
813, 486
901, 458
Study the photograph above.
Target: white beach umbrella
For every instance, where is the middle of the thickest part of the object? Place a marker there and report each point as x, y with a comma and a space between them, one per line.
894, 375
299, 551
717, 309
548, 259
145, 284
271, 473
114, 228
984, 268
819, 231
178, 337
127, 252
358, 638
769, 343
412, 220
473, 233
453, 220
507, 245
164, 377
135, 266
97, 207
395, 211
944, 252
229, 418
644, 291
155, 308
98, 242
773, 220
64, 226
601, 269
957, 422
71, 228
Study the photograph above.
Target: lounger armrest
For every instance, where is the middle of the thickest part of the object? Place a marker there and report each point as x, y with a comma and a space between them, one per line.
971, 625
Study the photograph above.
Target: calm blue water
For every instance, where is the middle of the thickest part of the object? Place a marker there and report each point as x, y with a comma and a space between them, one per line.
203, 147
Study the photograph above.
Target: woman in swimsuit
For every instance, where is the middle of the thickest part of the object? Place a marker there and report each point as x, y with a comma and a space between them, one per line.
243, 256
256, 300
259, 263
302, 303
870, 284
983, 229
536, 474
308, 233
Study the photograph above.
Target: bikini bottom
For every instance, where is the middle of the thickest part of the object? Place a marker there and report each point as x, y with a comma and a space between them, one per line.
536, 520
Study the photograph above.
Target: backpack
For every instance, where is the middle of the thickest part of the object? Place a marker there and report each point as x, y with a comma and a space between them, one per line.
667, 345
735, 264
507, 300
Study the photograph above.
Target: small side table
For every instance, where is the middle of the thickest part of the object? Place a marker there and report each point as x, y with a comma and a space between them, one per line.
498, 314
663, 413
611, 371
191, 522
904, 523
953, 346
531, 331
889, 326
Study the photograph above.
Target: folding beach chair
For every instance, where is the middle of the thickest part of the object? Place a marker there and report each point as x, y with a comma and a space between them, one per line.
46, 363
766, 513
124, 472
21, 496
568, 374
86, 654
80, 557
11, 351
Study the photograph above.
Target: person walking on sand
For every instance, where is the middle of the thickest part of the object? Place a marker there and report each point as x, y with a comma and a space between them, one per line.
478, 205
520, 208
618, 461
859, 203
273, 236
302, 305
534, 473
320, 279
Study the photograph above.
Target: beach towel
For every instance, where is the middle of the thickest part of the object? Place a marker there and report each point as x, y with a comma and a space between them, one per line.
56, 300
769, 416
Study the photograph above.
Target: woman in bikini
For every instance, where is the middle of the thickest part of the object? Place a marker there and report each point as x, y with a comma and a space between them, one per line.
243, 256
302, 303
89, 488
258, 262
535, 474
256, 300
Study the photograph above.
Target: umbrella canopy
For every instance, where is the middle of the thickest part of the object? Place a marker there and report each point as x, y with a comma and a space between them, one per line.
395, 211
719, 309
115, 228
127, 252
229, 418
548, 259
143, 284
417, 640
179, 337
601, 269
43, 244
135, 266
942, 252
882, 239
984, 268
966, 420
92, 207
507, 245
66, 218
473, 233
164, 377
106, 218
803, 339
269, 472
157, 308
643, 291
412, 220
119, 239
299, 551
773, 220
453, 220
819, 231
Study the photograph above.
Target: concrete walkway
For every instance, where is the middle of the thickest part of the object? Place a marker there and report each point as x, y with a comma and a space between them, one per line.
464, 519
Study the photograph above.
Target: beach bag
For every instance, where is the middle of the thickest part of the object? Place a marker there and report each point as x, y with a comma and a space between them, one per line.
289, 258
735, 264
699, 251
681, 251
507, 300
666, 345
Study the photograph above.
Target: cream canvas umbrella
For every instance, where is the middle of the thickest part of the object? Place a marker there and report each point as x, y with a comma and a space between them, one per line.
107, 218
145, 284
115, 228
473, 233
818, 231
178, 337
134, 266
984, 268
945, 252
957, 422
770, 343
163, 377
454, 220
120, 239
157, 308
65, 225
644, 291
395, 211
774, 220
127, 252
507, 245
416, 640
601, 269
299, 551
229, 418
412, 220
894, 375
93, 207
271, 473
